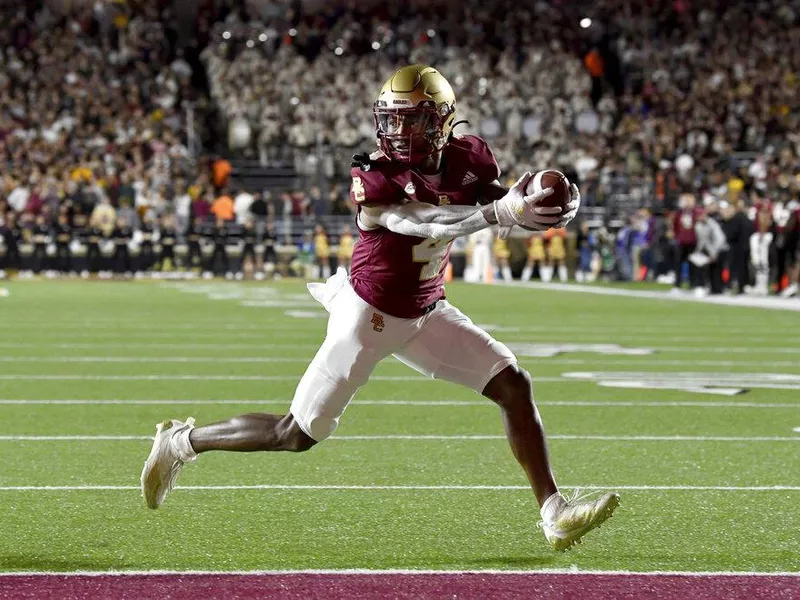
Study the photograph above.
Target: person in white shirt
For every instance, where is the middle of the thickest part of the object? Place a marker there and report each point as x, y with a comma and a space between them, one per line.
241, 206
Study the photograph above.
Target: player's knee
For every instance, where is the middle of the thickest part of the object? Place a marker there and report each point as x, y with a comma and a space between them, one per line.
510, 386
294, 439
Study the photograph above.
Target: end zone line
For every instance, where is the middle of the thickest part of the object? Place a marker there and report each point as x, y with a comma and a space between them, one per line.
286, 401
357, 571
367, 488
430, 437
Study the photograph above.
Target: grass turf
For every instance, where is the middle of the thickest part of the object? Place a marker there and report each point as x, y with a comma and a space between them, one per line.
103, 341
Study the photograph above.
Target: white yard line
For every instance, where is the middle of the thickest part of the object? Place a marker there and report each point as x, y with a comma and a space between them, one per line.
368, 488
158, 346
158, 359
463, 403
540, 361
432, 437
768, 302
206, 378
693, 349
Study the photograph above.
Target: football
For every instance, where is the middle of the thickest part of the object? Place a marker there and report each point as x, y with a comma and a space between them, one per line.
550, 179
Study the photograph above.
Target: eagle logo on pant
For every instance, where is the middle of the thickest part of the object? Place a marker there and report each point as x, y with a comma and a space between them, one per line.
377, 322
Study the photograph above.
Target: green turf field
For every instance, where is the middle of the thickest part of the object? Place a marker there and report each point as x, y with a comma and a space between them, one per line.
419, 475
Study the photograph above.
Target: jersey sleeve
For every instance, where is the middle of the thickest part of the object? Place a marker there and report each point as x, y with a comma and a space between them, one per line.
372, 188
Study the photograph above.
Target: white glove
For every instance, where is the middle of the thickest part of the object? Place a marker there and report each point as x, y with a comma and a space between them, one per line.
517, 209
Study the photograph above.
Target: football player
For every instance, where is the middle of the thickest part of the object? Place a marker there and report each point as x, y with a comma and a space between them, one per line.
414, 196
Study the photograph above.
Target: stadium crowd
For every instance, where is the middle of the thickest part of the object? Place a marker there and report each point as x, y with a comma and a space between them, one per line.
643, 104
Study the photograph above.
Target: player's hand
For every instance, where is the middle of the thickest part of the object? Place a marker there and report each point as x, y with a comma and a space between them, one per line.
572, 206
515, 208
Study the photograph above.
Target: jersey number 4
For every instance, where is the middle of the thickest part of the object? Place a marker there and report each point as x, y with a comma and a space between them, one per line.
432, 253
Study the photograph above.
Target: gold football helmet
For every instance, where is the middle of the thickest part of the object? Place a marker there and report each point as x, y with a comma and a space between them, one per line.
414, 114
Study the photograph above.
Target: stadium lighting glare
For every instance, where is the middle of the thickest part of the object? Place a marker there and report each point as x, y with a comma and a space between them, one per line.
250, 43
226, 35
586, 22
262, 37
339, 51
376, 45
293, 32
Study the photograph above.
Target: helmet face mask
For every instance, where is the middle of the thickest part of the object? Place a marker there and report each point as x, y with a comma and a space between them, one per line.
414, 114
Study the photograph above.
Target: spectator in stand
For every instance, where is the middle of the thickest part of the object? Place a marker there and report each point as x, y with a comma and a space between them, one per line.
201, 207
241, 206
222, 208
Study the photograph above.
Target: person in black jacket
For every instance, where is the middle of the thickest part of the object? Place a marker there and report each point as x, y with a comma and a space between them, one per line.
63, 238
12, 237
270, 257
147, 231
40, 236
737, 228
219, 235
249, 240
93, 256
122, 257
168, 239
193, 235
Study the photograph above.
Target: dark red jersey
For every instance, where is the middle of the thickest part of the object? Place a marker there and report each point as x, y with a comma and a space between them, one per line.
404, 275
683, 226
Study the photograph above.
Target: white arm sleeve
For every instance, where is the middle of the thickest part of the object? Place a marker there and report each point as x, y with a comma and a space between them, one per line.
420, 219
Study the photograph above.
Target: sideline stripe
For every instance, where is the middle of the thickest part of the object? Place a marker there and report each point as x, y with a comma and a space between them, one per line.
545, 571
470, 403
422, 437
201, 488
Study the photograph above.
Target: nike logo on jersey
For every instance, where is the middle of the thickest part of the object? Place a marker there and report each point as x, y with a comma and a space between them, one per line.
470, 177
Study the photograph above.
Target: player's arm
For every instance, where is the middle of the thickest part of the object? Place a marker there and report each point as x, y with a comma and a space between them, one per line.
491, 192
444, 222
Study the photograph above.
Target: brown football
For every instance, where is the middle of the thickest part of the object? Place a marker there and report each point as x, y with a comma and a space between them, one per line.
550, 179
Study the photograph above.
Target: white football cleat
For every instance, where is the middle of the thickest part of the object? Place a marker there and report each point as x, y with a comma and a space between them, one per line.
164, 463
570, 519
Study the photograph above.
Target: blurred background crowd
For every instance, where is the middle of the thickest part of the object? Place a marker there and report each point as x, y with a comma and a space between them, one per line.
226, 128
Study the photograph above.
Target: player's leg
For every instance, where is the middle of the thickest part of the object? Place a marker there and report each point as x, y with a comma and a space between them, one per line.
450, 347
512, 391
355, 342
